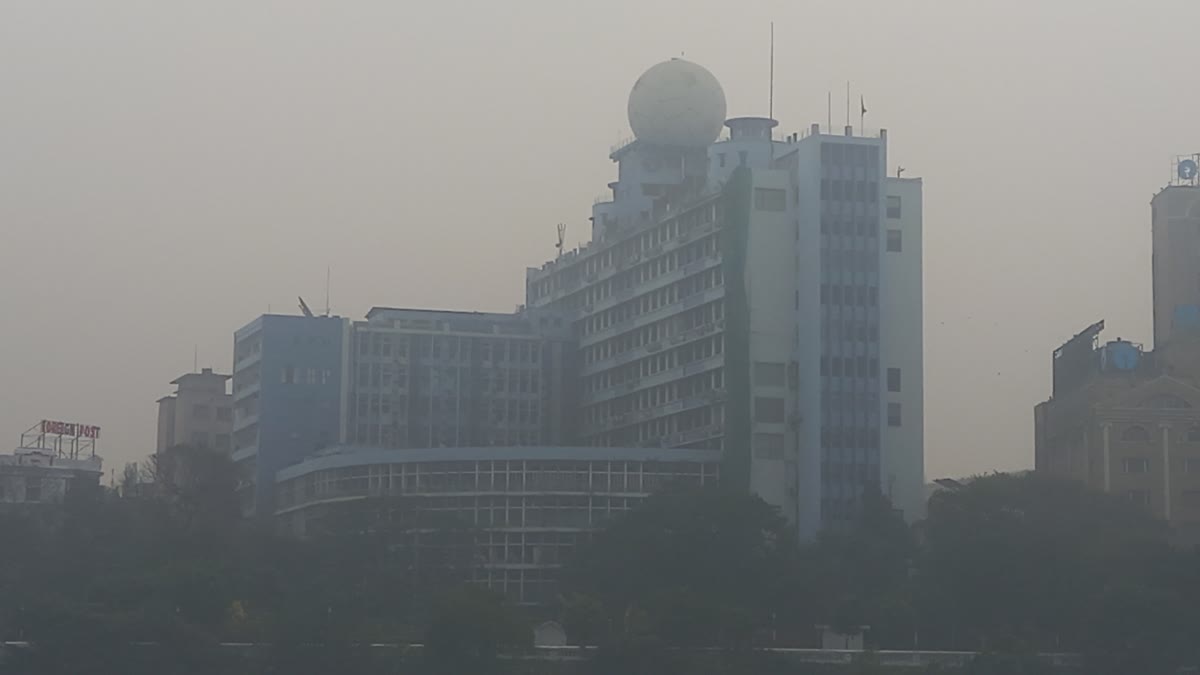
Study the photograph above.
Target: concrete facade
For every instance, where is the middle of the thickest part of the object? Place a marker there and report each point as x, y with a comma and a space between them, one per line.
30, 477
526, 509
751, 304
433, 378
1129, 425
1175, 234
199, 413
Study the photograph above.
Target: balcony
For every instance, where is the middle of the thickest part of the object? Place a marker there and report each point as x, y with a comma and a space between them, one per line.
698, 366
693, 300
653, 348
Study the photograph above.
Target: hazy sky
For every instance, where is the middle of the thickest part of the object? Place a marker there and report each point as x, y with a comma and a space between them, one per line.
169, 170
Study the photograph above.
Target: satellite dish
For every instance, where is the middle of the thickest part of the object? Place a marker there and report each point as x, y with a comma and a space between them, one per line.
1187, 169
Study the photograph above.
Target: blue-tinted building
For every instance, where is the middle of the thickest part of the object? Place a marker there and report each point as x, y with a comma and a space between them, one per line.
287, 393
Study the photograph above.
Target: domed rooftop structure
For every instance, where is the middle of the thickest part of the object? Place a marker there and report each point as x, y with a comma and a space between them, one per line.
677, 103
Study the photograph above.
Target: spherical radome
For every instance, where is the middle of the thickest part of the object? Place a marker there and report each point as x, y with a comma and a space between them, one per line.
677, 103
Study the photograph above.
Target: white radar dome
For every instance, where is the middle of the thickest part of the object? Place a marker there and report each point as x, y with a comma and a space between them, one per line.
677, 103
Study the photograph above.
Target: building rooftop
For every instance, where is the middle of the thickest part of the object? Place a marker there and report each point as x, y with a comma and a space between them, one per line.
346, 456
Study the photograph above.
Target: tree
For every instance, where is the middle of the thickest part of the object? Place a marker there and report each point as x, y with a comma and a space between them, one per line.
470, 627
200, 485
718, 557
1020, 557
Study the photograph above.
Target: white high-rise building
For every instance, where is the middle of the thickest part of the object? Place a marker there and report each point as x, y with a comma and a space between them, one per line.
753, 295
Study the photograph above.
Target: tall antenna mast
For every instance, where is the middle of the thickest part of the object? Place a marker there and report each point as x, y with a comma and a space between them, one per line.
771, 95
847, 102
327, 290
562, 235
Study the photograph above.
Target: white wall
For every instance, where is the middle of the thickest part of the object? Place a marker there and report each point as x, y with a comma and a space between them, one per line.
901, 315
770, 285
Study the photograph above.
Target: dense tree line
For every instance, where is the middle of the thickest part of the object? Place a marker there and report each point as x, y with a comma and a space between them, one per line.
1009, 566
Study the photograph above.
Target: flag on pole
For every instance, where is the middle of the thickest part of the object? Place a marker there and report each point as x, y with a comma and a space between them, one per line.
863, 104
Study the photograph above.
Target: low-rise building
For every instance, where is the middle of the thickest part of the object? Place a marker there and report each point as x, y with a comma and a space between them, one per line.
37, 476
1127, 421
523, 510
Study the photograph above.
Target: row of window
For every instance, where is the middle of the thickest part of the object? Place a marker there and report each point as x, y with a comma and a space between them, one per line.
850, 295
649, 270
204, 439
656, 363
1142, 465
837, 333
859, 155
298, 375
496, 380
635, 245
850, 190
202, 411
863, 226
652, 301
385, 344
860, 366
1139, 434
682, 324
356, 482
653, 397
837, 438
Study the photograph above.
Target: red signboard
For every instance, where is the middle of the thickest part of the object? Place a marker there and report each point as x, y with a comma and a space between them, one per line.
73, 429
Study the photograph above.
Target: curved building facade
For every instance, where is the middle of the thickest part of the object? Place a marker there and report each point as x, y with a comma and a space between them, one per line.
524, 510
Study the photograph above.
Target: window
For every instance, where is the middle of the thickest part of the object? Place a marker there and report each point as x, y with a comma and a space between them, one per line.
200, 411
199, 439
769, 374
895, 241
768, 410
1191, 465
1135, 465
721, 159
224, 414
893, 414
1166, 402
768, 446
742, 157
893, 206
1139, 497
1135, 434
223, 442
770, 199
893, 379
33, 489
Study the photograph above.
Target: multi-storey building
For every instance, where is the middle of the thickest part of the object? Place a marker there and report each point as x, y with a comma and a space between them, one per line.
288, 384
432, 378
403, 378
523, 510
1125, 420
1175, 237
753, 295
199, 413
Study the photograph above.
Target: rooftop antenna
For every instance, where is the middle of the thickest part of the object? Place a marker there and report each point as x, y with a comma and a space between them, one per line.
771, 94
562, 234
326, 290
899, 171
195, 358
304, 307
847, 102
